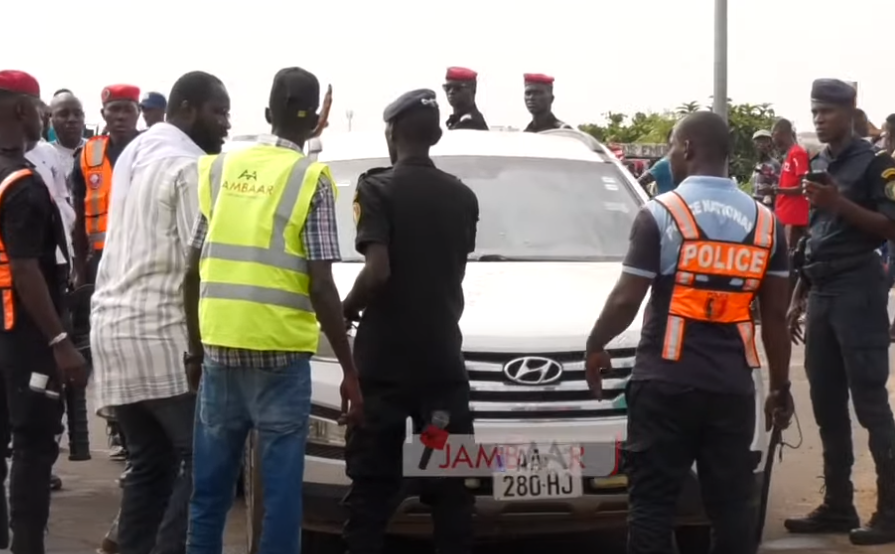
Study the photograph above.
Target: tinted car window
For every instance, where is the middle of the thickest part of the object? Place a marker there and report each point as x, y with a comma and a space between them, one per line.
529, 208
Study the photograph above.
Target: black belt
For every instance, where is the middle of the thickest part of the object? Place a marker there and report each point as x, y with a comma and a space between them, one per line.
824, 270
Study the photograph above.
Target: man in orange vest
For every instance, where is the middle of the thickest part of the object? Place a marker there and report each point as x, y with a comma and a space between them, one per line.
37, 357
706, 249
91, 178
91, 187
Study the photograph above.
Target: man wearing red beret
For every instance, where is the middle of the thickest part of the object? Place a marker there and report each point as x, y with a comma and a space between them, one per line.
460, 86
36, 355
539, 101
91, 178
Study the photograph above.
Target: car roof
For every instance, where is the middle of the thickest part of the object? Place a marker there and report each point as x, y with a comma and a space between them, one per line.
369, 145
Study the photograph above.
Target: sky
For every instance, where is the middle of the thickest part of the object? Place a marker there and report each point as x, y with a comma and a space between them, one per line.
606, 56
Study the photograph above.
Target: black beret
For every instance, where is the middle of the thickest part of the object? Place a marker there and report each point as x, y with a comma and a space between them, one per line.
420, 98
833, 91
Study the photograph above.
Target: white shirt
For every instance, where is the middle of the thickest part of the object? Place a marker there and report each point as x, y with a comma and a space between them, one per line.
138, 323
67, 155
51, 169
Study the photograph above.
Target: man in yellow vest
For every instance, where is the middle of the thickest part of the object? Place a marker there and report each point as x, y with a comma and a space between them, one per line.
258, 282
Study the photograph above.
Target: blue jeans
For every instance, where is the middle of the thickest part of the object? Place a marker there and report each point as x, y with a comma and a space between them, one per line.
233, 400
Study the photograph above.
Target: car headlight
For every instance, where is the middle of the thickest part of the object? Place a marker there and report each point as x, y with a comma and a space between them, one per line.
325, 350
325, 431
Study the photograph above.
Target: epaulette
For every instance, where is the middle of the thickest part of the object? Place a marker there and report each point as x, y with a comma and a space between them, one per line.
374, 171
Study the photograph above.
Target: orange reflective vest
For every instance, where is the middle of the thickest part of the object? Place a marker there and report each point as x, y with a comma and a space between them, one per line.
715, 281
98, 177
9, 311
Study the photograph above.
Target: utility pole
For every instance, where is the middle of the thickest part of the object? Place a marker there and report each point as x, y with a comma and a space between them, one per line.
349, 115
719, 101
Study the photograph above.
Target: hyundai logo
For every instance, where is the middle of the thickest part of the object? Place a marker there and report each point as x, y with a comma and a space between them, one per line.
533, 370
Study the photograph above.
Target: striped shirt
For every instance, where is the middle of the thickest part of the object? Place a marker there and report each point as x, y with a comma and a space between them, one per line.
138, 323
321, 242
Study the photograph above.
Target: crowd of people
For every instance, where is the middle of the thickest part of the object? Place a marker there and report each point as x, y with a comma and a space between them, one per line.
213, 287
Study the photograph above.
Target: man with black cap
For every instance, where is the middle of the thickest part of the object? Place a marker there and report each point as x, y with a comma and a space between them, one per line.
153, 107
460, 88
36, 355
266, 237
539, 101
852, 194
416, 226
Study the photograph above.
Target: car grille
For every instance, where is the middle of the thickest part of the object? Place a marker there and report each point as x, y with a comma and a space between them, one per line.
494, 396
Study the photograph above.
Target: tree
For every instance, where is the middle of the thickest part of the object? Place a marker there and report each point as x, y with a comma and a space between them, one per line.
653, 127
688, 108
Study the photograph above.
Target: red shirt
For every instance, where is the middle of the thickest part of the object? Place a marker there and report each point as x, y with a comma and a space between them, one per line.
793, 210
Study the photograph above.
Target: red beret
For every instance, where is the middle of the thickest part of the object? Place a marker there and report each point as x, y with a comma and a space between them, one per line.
19, 81
114, 93
538, 78
460, 74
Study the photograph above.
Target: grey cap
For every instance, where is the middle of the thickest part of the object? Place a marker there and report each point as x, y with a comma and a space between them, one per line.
420, 98
761, 133
833, 91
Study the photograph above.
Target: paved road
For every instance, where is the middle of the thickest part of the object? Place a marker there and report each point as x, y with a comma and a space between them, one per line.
83, 510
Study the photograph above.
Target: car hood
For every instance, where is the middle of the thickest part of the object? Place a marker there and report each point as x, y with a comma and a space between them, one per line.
528, 307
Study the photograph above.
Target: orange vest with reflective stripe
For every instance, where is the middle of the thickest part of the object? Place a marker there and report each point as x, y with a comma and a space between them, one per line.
6, 291
715, 281
98, 177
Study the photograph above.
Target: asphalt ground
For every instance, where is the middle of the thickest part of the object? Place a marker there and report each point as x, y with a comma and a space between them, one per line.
83, 510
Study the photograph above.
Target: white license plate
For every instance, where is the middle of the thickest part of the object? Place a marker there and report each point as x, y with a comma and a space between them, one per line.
544, 484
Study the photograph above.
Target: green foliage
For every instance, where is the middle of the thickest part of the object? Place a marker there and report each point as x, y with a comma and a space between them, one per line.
653, 127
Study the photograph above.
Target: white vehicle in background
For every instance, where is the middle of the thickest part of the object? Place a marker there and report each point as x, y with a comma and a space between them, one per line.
555, 212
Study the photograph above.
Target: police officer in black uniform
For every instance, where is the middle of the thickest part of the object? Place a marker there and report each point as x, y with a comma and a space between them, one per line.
852, 192
415, 227
37, 357
460, 87
539, 102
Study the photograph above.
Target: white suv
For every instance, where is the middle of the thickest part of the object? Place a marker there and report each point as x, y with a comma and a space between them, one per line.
555, 212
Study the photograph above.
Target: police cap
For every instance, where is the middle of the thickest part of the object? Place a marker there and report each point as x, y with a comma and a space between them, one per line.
416, 99
833, 91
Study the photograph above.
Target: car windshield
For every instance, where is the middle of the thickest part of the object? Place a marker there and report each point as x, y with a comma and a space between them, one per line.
530, 209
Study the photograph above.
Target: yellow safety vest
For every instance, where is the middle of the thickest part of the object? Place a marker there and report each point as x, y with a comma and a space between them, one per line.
255, 292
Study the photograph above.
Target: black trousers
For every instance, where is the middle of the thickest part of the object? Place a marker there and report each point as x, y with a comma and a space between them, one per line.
155, 501
373, 458
669, 428
847, 351
34, 422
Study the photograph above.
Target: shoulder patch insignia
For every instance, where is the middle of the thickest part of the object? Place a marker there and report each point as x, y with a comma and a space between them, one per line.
890, 190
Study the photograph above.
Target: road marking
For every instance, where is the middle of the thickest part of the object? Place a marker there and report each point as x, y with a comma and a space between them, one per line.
815, 544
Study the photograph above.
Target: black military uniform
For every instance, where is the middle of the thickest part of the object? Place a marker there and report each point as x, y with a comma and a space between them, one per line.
539, 102
408, 344
550, 122
31, 228
847, 348
460, 87
472, 119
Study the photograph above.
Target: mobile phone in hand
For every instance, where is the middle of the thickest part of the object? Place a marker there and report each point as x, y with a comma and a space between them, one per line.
821, 177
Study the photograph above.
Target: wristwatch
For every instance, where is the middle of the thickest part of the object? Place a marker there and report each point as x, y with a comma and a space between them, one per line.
192, 358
